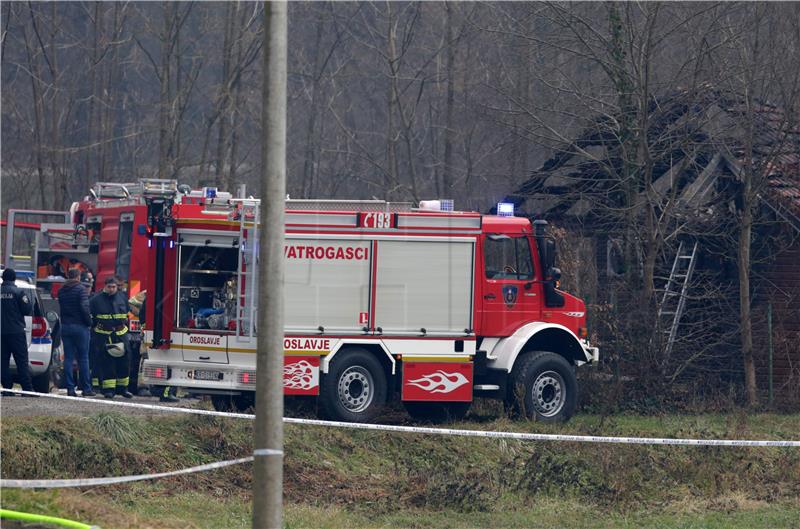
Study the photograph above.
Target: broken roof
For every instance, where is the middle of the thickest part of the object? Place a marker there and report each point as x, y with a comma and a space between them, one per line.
696, 140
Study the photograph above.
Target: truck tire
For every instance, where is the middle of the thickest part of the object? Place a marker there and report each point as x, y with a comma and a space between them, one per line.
233, 403
354, 389
246, 402
437, 412
543, 387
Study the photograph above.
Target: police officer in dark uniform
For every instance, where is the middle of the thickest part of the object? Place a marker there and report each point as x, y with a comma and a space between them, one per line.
16, 304
109, 310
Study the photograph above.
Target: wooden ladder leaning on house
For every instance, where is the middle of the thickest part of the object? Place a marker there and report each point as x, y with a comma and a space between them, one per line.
673, 302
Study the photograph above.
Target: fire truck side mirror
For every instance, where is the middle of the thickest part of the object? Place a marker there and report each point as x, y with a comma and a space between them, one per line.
554, 274
552, 297
550, 254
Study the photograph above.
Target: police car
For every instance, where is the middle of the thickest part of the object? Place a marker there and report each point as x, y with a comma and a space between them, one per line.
45, 351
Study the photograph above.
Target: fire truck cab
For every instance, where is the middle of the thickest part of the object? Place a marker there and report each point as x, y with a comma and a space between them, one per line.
382, 301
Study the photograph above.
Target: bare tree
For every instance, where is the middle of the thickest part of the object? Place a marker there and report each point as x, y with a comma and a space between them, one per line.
759, 70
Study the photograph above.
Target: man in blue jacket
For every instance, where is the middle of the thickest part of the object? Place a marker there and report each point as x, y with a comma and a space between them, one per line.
76, 322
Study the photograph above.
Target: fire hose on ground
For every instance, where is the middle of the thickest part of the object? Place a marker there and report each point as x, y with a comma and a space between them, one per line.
6, 514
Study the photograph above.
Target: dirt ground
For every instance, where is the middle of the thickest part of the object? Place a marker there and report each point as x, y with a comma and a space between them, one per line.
18, 406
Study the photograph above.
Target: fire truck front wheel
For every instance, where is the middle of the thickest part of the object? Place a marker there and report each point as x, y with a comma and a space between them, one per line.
544, 387
354, 389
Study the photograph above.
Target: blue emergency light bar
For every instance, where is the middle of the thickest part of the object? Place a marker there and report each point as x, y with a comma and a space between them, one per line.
505, 209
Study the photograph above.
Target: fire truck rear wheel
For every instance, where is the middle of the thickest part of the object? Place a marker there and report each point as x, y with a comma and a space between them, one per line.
544, 387
354, 389
233, 403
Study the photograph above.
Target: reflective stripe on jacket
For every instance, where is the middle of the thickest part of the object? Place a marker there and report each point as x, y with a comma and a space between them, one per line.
110, 313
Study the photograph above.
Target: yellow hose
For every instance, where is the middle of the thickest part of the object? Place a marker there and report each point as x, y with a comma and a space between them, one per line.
41, 518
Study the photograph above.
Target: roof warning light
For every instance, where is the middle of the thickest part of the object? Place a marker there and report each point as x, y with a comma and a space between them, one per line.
505, 209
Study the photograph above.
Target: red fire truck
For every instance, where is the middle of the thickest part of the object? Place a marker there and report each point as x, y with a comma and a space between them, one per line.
382, 301
104, 234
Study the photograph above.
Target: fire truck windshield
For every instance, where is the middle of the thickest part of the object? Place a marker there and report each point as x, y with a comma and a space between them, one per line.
508, 258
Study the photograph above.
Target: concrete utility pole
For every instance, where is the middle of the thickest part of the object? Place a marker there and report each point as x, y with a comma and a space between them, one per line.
268, 447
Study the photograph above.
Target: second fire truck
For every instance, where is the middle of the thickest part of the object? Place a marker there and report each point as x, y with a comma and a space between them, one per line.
382, 301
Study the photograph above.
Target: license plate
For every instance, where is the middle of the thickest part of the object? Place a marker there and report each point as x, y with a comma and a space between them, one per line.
205, 374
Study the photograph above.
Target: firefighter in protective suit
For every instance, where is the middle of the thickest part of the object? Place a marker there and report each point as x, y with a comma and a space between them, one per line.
109, 310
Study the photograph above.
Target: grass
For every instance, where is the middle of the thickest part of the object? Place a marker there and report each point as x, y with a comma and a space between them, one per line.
156, 507
342, 478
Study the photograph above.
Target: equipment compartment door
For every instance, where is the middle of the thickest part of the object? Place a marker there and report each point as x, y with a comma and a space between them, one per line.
424, 285
327, 285
212, 348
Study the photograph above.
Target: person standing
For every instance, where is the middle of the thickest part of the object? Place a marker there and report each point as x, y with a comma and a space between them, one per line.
73, 300
136, 303
16, 304
87, 278
109, 310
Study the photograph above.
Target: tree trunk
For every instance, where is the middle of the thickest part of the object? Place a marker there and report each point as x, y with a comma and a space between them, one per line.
38, 112
55, 109
309, 161
90, 130
164, 169
391, 175
449, 128
176, 106
745, 234
224, 97
109, 115
236, 105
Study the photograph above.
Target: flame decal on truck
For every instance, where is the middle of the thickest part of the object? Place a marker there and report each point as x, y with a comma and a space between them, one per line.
300, 375
440, 382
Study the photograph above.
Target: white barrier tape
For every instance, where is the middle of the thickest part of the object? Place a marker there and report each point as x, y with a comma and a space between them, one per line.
267, 452
93, 482
520, 436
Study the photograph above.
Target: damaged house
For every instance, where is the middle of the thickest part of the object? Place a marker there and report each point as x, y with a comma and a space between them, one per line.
665, 220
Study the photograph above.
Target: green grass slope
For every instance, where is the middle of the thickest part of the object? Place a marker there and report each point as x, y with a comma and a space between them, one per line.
350, 478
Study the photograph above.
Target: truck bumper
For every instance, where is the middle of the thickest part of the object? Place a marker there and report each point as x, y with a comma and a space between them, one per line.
198, 377
592, 353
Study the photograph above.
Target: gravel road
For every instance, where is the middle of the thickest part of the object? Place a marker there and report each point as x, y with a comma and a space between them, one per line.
18, 406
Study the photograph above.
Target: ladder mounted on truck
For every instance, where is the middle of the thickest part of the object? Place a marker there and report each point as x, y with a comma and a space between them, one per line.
247, 308
310, 204
673, 303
